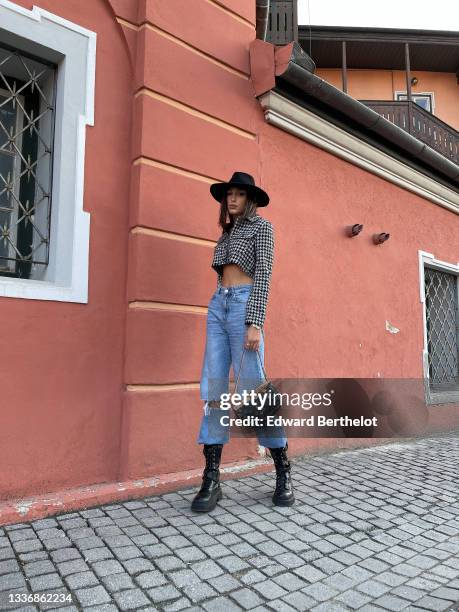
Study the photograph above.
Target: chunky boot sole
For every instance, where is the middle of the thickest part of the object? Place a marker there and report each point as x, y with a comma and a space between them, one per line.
282, 502
206, 506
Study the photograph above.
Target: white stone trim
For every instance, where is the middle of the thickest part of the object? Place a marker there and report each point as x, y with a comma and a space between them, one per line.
56, 39
296, 120
429, 258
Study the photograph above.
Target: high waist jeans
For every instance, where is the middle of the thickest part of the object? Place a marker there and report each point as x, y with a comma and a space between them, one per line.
226, 333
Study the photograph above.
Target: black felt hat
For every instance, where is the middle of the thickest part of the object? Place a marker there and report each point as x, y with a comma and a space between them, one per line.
245, 181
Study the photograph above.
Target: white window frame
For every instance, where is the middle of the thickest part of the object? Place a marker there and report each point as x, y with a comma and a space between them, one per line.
429, 260
417, 93
73, 49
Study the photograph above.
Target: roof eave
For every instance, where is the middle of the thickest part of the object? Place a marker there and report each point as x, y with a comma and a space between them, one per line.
387, 34
273, 66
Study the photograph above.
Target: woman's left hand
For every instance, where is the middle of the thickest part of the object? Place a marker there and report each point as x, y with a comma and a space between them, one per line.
252, 340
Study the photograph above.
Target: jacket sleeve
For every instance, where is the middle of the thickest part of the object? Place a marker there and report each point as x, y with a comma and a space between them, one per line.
264, 257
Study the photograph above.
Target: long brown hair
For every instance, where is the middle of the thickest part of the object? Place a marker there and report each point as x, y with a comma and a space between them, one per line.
249, 211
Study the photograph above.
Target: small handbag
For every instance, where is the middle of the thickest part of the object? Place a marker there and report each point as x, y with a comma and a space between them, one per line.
271, 405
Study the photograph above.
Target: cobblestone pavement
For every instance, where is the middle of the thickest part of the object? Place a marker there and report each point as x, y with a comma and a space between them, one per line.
372, 529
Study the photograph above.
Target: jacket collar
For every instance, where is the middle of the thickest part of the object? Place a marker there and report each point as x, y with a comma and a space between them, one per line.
252, 219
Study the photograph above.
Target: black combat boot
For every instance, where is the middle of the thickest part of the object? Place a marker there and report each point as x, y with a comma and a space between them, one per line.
283, 495
210, 493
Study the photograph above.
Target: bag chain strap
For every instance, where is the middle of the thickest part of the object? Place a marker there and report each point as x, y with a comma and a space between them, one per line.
240, 367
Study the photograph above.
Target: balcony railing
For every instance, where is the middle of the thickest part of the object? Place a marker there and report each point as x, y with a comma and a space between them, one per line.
421, 124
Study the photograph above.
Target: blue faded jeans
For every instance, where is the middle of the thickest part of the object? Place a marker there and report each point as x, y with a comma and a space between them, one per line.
226, 333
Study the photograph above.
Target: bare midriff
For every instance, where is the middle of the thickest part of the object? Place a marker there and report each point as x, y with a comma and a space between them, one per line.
233, 275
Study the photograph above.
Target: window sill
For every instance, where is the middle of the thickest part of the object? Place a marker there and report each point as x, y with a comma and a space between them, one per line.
45, 290
443, 397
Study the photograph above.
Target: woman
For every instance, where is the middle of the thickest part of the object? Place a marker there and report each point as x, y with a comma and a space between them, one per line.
243, 259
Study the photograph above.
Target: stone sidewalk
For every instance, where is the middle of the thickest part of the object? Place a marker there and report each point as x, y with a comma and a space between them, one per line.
372, 529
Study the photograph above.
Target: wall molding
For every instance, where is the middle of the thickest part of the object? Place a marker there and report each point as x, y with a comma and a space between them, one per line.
167, 235
190, 110
149, 161
149, 26
152, 388
293, 118
170, 307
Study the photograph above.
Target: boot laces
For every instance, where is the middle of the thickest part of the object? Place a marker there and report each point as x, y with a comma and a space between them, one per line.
283, 479
212, 474
282, 465
212, 455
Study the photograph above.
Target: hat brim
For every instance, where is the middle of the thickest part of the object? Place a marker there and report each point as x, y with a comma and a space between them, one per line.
218, 191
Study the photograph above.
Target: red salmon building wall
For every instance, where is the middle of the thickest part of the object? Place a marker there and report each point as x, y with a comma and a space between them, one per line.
62, 377
330, 296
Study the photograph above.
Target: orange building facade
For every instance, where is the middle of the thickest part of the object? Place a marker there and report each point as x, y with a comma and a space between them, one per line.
100, 385
386, 84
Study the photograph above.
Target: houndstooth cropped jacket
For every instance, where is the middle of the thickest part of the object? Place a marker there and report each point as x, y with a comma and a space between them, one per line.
250, 245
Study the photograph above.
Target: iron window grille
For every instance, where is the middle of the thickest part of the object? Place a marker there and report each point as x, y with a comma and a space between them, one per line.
442, 320
27, 116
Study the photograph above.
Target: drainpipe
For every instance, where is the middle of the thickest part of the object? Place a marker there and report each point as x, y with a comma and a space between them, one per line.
262, 18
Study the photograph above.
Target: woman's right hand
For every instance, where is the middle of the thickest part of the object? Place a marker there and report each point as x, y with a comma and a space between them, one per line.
252, 339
